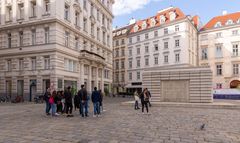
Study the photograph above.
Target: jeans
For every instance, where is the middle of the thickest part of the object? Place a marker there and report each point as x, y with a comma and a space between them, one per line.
83, 108
48, 107
53, 106
96, 108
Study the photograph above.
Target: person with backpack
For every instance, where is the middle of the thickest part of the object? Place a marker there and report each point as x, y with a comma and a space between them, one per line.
83, 97
144, 100
68, 100
96, 100
46, 97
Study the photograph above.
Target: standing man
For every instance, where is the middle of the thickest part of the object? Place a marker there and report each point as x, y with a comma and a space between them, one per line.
96, 101
68, 100
46, 98
101, 100
148, 92
83, 108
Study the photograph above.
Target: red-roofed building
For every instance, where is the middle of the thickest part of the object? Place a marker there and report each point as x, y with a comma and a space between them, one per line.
219, 43
167, 39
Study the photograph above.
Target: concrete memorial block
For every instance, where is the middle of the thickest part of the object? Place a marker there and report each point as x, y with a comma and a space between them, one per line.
179, 84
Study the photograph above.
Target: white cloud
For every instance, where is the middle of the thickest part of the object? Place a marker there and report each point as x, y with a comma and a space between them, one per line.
122, 7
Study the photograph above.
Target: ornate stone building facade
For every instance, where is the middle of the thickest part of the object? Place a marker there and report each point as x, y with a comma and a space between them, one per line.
54, 43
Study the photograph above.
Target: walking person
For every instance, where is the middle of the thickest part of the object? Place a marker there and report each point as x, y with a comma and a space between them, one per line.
63, 102
68, 100
96, 100
53, 103
136, 97
83, 97
58, 102
144, 100
150, 105
46, 98
101, 101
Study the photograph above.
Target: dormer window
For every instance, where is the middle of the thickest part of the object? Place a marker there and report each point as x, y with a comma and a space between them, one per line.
135, 28
144, 25
153, 22
229, 22
172, 15
218, 24
162, 19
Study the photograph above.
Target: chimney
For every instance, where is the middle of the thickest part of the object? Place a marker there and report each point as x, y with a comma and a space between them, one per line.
224, 12
132, 21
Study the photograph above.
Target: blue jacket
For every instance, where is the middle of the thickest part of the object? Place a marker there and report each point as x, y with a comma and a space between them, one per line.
95, 96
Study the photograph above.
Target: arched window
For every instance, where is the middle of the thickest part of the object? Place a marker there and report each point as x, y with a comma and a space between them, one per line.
144, 25
218, 24
153, 22
172, 15
162, 19
229, 22
135, 28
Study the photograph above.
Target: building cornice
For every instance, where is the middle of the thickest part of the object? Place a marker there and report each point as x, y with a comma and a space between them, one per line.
226, 27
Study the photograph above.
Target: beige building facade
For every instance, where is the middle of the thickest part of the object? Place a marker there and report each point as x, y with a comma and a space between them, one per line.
54, 43
219, 43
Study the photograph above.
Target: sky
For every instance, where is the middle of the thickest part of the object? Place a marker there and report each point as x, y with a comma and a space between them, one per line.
124, 10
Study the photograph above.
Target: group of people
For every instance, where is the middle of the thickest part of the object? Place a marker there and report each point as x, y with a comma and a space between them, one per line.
144, 97
61, 102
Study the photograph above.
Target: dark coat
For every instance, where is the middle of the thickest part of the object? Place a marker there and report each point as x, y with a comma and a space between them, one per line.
96, 96
68, 97
82, 95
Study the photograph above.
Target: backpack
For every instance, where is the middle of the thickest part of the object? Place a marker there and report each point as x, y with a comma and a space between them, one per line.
146, 96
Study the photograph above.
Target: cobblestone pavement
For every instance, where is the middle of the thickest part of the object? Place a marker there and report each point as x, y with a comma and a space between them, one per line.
22, 123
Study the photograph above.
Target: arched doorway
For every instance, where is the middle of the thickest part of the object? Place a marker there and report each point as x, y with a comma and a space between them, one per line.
234, 84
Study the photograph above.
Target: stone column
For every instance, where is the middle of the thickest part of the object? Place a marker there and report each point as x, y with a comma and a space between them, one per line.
14, 87
53, 82
26, 88
102, 79
89, 88
2, 86
81, 74
96, 82
39, 85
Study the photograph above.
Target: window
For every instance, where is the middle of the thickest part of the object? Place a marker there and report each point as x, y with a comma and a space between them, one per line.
9, 65
130, 52
9, 40
156, 60
67, 39
176, 28
46, 34
122, 77
98, 15
155, 33
204, 37
172, 15
103, 19
177, 43
166, 59
235, 49
177, 57
219, 85
218, 24
76, 43
33, 63
9, 14
218, 35
85, 4
123, 52
33, 36
165, 31
146, 36
85, 24
235, 69
123, 42
204, 54
67, 10
138, 38
138, 75
218, 51
146, 62
116, 77
117, 43
135, 28
47, 7
130, 64
138, 63
21, 64
165, 45
33, 9
108, 40
130, 40
117, 53
130, 76
117, 64
92, 29
229, 22
219, 69
122, 65
144, 25
146, 49
138, 51
156, 47
46, 63
235, 32
98, 33
92, 8
76, 18
21, 11
21, 38
162, 19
